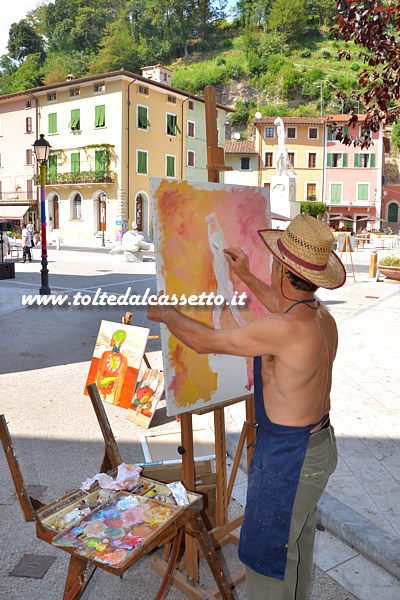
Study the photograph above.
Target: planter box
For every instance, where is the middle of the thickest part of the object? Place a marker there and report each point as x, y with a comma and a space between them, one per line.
390, 272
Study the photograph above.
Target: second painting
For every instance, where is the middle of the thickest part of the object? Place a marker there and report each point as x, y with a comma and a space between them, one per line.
193, 223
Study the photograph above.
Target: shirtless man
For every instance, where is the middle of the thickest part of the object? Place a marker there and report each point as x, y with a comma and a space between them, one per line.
294, 348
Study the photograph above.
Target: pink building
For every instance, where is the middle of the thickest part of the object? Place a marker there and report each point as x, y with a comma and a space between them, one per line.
353, 178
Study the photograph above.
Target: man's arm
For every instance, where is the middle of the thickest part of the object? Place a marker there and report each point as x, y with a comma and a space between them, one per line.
239, 264
268, 335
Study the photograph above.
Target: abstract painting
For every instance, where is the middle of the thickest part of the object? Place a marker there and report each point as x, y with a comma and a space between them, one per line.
193, 223
116, 361
147, 394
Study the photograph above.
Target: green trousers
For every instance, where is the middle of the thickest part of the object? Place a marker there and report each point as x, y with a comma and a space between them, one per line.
319, 463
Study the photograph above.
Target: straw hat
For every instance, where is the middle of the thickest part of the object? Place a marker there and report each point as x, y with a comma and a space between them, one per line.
305, 248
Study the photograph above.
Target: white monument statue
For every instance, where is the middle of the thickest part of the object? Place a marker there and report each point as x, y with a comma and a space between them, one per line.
283, 183
133, 243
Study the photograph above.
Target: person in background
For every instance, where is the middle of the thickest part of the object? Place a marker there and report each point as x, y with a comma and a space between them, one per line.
5, 245
26, 244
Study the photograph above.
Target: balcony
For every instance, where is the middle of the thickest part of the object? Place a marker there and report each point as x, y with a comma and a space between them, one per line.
82, 177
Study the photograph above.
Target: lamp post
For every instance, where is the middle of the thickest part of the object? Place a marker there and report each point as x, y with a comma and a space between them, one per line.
102, 198
41, 148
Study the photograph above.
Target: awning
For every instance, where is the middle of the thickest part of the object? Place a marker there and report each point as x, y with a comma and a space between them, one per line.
9, 212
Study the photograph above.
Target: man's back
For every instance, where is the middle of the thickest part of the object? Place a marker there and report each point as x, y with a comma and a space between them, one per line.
297, 380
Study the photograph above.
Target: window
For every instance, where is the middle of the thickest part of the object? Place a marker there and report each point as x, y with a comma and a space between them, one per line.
291, 158
99, 87
190, 129
393, 212
141, 160
312, 160
28, 156
170, 167
171, 99
143, 90
75, 122
52, 118
335, 135
29, 189
363, 192
74, 92
100, 116
336, 193
311, 191
142, 120
334, 159
28, 125
269, 159
190, 158
245, 163
312, 133
172, 126
191, 105
269, 132
75, 162
77, 207
364, 160
51, 96
52, 168
291, 133
28, 104
100, 160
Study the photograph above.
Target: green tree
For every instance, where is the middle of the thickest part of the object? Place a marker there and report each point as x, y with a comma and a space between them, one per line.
23, 41
315, 209
396, 135
288, 18
28, 75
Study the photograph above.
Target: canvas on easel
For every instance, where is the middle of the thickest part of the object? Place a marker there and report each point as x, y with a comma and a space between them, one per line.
146, 397
116, 361
193, 223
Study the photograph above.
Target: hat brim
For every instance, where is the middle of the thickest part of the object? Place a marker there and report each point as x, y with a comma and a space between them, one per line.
332, 277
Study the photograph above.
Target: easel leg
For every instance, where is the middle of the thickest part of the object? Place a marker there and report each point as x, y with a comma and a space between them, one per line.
220, 464
212, 558
74, 584
112, 457
188, 477
171, 566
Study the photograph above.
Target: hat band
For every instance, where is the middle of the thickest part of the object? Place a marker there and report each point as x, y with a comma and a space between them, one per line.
297, 260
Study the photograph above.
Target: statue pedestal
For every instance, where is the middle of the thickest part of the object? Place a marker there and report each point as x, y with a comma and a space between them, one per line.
283, 196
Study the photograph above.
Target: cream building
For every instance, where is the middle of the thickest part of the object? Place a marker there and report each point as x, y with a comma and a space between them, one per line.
108, 134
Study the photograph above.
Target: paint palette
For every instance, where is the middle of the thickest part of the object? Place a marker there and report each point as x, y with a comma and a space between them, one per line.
113, 533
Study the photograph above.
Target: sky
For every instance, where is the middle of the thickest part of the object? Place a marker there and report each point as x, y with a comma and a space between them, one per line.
12, 12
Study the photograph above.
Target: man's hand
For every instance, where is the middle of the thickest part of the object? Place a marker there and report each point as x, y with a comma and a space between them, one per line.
238, 262
157, 312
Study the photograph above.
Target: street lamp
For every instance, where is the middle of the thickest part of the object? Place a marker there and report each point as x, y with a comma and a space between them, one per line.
41, 148
102, 198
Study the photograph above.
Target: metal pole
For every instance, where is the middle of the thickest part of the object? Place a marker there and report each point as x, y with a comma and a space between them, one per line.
102, 208
44, 272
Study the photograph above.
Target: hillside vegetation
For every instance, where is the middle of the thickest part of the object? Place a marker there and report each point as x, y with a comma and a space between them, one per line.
272, 56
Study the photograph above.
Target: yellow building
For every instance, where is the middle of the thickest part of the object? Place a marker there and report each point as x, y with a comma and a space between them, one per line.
108, 134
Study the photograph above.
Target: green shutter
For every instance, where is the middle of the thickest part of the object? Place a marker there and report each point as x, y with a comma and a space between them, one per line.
170, 166
336, 193
75, 162
329, 159
356, 160
100, 116
172, 126
75, 123
142, 162
142, 117
53, 123
344, 159
362, 192
372, 159
100, 160
52, 168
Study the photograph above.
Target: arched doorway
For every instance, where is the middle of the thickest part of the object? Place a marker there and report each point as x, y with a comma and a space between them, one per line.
393, 212
141, 213
101, 211
54, 212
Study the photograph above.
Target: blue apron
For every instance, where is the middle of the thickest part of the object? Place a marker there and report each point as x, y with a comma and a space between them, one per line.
272, 484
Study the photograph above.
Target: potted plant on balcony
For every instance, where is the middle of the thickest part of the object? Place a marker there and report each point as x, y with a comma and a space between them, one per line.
390, 267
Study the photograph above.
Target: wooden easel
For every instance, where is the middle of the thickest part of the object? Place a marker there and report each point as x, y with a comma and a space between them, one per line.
77, 575
223, 532
347, 251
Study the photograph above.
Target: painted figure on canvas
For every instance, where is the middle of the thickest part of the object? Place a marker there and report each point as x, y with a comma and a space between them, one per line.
147, 394
116, 361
